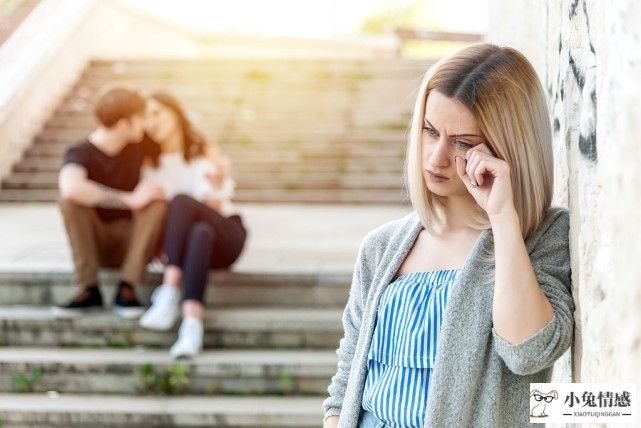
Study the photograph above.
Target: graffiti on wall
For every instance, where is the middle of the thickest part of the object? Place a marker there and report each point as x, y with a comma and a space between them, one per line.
573, 90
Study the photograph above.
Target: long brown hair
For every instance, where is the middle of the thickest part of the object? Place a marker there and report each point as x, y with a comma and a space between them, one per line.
193, 142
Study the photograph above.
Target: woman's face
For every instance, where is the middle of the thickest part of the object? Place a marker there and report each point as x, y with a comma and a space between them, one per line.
162, 122
449, 129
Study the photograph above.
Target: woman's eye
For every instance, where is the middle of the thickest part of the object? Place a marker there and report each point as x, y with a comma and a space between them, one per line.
463, 145
430, 131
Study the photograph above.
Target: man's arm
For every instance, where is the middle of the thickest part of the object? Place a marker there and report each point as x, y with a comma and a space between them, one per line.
75, 186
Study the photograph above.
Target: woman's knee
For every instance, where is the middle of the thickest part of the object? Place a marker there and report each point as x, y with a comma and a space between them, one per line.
203, 233
181, 202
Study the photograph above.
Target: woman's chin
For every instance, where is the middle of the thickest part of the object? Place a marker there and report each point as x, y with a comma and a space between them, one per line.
441, 189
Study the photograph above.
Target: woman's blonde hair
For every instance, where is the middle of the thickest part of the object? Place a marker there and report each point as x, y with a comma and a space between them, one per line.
499, 86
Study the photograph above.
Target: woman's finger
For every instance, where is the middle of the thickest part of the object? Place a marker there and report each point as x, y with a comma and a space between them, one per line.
472, 165
480, 171
460, 167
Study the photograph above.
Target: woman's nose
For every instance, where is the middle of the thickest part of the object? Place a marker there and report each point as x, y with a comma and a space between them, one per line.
440, 154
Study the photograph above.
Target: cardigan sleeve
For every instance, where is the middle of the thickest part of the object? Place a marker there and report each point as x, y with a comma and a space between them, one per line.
551, 264
352, 316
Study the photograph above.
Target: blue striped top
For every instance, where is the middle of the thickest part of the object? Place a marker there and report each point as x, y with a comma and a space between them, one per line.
403, 348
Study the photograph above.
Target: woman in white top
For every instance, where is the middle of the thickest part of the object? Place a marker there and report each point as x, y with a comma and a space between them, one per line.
203, 229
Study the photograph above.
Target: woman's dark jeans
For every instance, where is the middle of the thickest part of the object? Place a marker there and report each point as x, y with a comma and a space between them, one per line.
198, 238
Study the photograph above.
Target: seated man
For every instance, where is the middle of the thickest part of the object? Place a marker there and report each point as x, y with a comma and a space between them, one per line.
112, 218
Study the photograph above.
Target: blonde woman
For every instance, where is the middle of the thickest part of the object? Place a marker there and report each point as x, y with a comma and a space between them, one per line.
455, 308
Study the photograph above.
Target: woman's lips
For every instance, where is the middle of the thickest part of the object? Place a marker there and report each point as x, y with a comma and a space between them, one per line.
436, 176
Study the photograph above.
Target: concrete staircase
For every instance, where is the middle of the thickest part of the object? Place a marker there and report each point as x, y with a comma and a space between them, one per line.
296, 130
270, 352
273, 324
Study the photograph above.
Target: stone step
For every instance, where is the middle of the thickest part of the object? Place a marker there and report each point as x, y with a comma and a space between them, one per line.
225, 288
255, 134
255, 95
307, 328
253, 121
261, 146
321, 196
101, 411
57, 149
257, 69
248, 149
260, 71
391, 133
49, 180
255, 74
289, 62
267, 83
132, 371
284, 166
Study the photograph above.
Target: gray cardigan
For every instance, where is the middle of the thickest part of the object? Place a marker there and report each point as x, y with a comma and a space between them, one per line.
480, 379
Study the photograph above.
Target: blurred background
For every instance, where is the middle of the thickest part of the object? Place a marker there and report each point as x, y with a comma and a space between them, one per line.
311, 101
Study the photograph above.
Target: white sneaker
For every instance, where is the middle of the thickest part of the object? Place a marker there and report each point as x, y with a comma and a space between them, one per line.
190, 339
164, 310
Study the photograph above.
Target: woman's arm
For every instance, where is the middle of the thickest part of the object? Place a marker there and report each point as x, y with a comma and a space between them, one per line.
520, 307
533, 306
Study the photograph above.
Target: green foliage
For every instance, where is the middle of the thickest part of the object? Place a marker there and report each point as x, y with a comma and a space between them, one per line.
418, 14
430, 49
258, 75
245, 141
357, 76
27, 382
170, 380
8, 6
285, 382
400, 125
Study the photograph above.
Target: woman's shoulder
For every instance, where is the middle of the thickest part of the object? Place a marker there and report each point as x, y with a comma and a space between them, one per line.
552, 232
556, 218
390, 232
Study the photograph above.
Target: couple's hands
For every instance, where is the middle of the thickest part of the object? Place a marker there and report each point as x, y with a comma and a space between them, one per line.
145, 193
487, 178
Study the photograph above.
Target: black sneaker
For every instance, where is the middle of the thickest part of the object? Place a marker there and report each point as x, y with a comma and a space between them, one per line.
87, 300
126, 303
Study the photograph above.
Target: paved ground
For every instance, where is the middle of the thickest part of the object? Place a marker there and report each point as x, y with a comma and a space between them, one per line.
282, 237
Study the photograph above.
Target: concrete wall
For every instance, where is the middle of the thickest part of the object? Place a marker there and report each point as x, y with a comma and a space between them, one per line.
588, 54
39, 64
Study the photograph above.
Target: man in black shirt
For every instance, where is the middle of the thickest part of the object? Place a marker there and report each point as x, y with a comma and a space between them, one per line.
112, 218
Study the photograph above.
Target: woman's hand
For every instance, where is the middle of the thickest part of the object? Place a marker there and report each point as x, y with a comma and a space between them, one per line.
487, 178
223, 166
213, 203
331, 422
